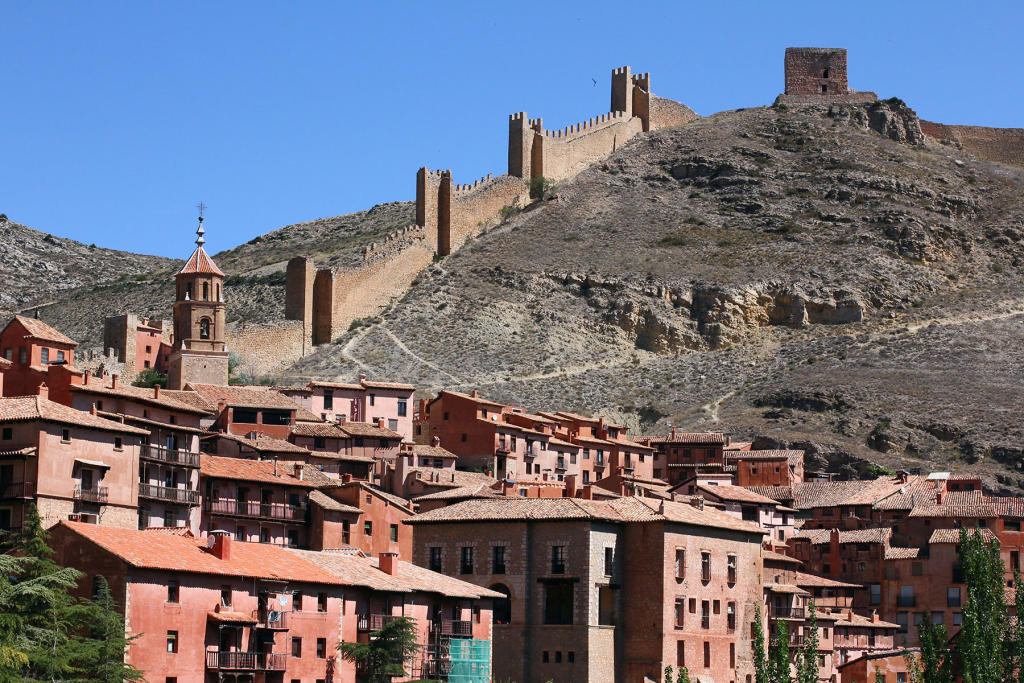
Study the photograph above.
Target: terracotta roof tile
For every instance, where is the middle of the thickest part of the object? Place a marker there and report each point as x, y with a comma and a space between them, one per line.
451, 478
482, 401
806, 580
37, 329
243, 396
175, 553
31, 408
779, 557
238, 469
337, 385
765, 455
5, 364
102, 387
314, 476
366, 429
737, 494
822, 536
686, 437
461, 493
326, 430
953, 536
397, 501
369, 384
860, 621
832, 493
326, 502
425, 451
190, 398
897, 553
263, 443
200, 263
967, 510
783, 494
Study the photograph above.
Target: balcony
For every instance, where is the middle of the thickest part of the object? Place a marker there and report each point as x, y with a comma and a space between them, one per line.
221, 660
171, 456
785, 612
256, 510
560, 465
169, 494
96, 494
455, 629
271, 620
17, 489
375, 622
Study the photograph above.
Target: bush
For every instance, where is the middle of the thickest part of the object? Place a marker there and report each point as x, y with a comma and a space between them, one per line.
150, 378
540, 187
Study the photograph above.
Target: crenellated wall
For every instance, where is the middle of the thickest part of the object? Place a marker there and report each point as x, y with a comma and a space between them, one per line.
448, 214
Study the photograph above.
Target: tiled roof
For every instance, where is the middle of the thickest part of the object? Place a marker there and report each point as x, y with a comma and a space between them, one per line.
408, 578
779, 557
243, 396
832, 493
369, 384
314, 476
482, 401
102, 387
780, 493
1012, 508
944, 510
860, 621
337, 385
765, 455
622, 510
191, 398
814, 581
448, 477
785, 588
264, 443
368, 430
133, 419
231, 617
303, 414
175, 553
5, 364
425, 451
326, 502
325, 430
250, 470
897, 553
686, 437
32, 408
397, 501
953, 536
200, 263
37, 329
822, 536
737, 493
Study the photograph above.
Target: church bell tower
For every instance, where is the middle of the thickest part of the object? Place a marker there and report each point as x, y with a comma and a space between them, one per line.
200, 354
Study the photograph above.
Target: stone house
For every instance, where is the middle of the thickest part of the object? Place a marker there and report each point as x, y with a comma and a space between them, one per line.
36, 354
365, 401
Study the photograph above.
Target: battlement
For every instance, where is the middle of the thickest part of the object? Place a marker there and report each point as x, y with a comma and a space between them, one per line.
477, 184
642, 81
577, 129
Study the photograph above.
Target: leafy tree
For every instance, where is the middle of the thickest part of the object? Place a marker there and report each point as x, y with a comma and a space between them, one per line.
914, 672
778, 664
936, 659
985, 618
668, 674
150, 378
762, 671
807, 661
1015, 634
683, 675
384, 657
879, 676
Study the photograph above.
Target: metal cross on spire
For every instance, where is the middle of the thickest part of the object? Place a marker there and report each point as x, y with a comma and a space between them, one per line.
200, 241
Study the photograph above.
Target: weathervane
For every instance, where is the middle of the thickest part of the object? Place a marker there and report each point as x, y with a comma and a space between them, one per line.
200, 241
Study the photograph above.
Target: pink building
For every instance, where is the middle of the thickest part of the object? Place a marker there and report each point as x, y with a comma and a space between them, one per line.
72, 464
220, 610
366, 401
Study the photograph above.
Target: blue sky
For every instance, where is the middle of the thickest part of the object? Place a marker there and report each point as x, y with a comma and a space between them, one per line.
117, 118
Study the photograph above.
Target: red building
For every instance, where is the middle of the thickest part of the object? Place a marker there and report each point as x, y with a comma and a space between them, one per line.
220, 610
35, 351
370, 519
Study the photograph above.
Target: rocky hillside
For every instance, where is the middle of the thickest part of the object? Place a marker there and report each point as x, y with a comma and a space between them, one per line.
812, 274
112, 282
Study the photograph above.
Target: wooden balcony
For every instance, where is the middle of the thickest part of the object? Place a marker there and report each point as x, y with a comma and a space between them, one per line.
97, 494
375, 622
256, 510
169, 494
785, 612
171, 456
271, 620
455, 629
13, 490
221, 660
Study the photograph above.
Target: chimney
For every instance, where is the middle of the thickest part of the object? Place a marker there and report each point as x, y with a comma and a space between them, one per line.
544, 476
341, 418
156, 391
220, 544
661, 507
874, 616
435, 441
85, 378
113, 381
388, 563
275, 465
475, 394
92, 409
299, 472
697, 502
382, 423
570, 485
453, 476
938, 497
362, 376
672, 434
346, 479
903, 476
43, 391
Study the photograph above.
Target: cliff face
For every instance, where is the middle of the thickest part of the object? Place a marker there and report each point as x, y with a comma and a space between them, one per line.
703, 272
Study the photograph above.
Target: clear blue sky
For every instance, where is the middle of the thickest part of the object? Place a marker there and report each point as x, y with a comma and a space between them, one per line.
117, 118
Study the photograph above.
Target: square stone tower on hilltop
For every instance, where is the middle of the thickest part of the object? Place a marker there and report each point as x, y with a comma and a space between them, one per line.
816, 71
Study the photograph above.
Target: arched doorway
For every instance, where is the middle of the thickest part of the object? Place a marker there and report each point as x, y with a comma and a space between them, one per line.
502, 606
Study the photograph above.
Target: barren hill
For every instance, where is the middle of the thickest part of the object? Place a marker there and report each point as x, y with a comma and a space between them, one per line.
802, 273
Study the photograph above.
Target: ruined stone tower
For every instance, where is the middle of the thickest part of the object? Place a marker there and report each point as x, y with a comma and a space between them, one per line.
200, 354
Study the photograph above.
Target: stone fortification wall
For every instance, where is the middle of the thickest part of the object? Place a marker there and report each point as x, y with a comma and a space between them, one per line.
561, 154
267, 347
1003, 145
473, 205
669, 113
816, 71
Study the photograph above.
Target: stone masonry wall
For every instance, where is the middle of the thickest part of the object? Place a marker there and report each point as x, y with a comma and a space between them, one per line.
810, 69
1003, 145
561, 154
268, 347
472, 207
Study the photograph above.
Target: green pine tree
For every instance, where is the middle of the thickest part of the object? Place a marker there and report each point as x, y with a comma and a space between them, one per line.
98, 652
683, 675
985, 615
384, 657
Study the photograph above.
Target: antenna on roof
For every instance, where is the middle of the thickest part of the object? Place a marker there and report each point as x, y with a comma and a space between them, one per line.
200, 241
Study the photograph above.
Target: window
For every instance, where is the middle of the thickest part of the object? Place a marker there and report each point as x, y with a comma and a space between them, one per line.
170, 518
372, 399
953, 597
824, 88
435, 559
328, 399
466, 564
730, 617
394, 533
319, 443
732, 655
225, 596
402, 407
906, 598
321, 648
204, 328
609, 561
7, 434
705, 566
9, 354
705, 614
876, 594
118, 443
902, 618
570, 656
558, 559
544, 656
558, 656
296, 647
206, 291
368, 528
44, 356
938, 618
707, 655
681, 653
680, 563
23, 355
172, 641
240, 533
264, 535
65, 435
680, 612
731, 564
824, 74
245, 416
498, 559
558, 602
321, 602
586, 476
958, 618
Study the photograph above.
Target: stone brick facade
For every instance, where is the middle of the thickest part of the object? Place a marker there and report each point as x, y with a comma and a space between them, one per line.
818, 74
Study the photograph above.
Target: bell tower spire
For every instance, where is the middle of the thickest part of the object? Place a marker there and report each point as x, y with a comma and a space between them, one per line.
200, 353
